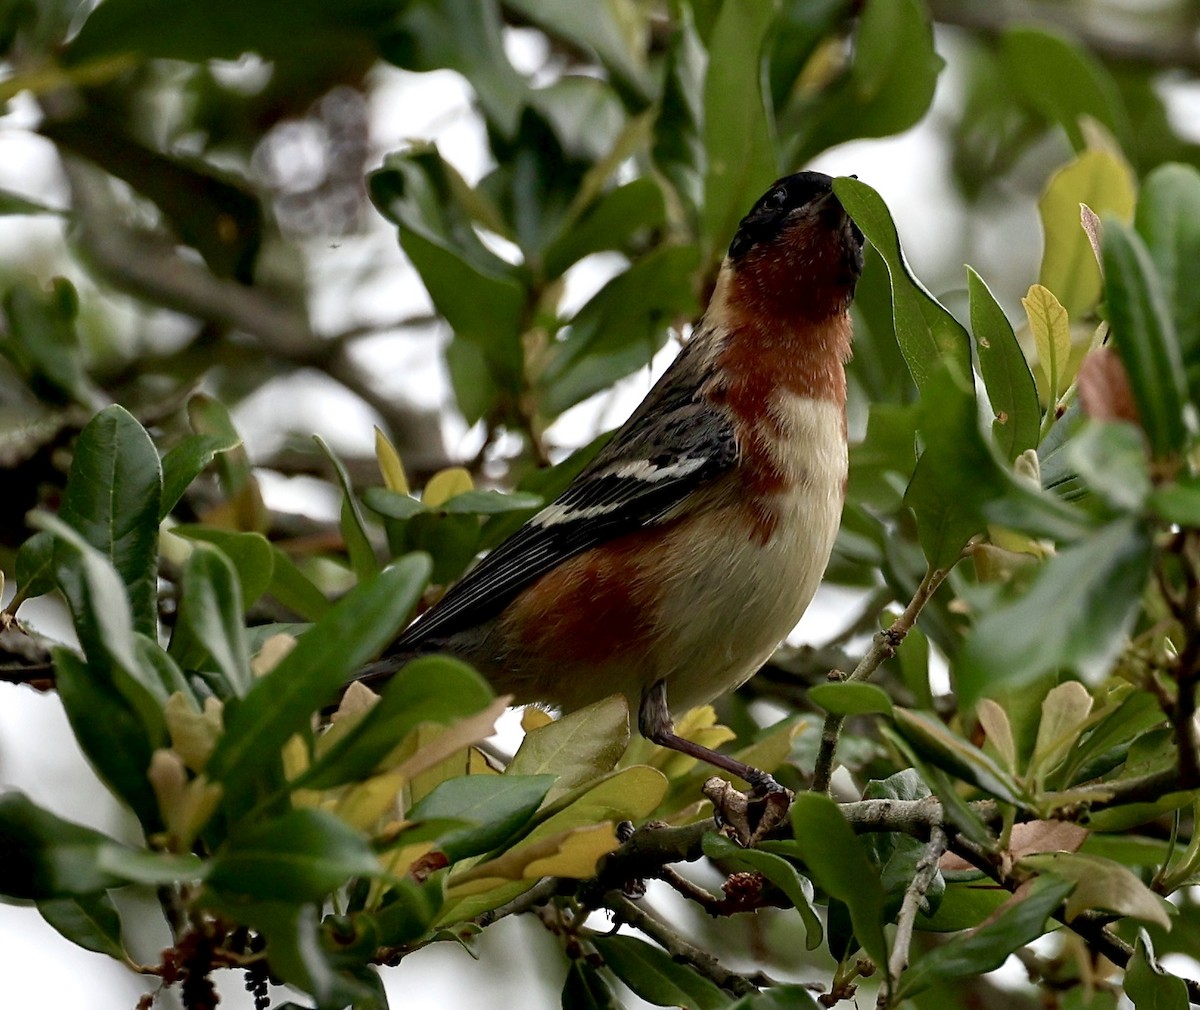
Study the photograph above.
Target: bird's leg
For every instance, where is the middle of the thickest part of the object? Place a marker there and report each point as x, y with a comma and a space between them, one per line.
655, 724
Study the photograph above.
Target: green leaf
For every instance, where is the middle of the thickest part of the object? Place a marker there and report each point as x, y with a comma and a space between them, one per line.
294, 589
933, 740
1174, 503
1075, 615
299, 856
957, 475
1144, 334
1010, 386
211, 621
1103, 182
778, 997
840, 866
495, 805
47, 857
972, 954
224, 28
430, 689
619, 329
282, 702
1101, 883
1168, 220
586, 989
251, 554
1110, 458
609, 223
650, 972
354, 529
927, 332
34, 566
1051, 336
392, 504
186, 461
850, 699
111, 734
1065, 711
489, 502
89, 921
779, 872
1109, 740
578, 747
889, 86
112, 498
1061, 81
42, 342
739, 136
13, 203
1147, 985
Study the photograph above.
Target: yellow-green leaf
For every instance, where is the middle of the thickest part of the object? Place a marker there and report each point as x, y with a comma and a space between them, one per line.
1051, 327
391, 469
1105, 183
445, 484
1101, 883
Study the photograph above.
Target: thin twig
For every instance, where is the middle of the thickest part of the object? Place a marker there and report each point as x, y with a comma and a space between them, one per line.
883, 647
680, 949
914, 897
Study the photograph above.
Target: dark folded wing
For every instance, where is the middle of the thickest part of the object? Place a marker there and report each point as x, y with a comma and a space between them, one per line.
673, 444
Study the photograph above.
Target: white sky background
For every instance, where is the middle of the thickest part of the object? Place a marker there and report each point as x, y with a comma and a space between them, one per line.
37, 752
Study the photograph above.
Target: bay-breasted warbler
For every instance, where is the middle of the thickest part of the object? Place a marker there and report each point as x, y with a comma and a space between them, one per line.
671, 568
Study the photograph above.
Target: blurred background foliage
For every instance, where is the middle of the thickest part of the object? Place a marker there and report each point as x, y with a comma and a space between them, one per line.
212, 220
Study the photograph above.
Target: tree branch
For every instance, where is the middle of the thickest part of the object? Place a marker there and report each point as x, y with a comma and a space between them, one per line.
883, 647
914, 897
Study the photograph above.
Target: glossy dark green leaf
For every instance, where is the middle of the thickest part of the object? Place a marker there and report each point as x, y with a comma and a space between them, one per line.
850, 699
887, 89
1168, 220
392, 504
1075, 615
1144, 334
956, 475
89, 921
650, 972
34, 566
965, 905
1148, 986
839, 866
299, 856
1061, 81
46, 857
408, 910
496, 806
985, 949
430, 689
186, 461
1010, 386
778, 997
620, 328
211, 627
779, 872
251, 554
282, 702
586, 989
739, 135
211, 417
926, 331
1109, 741
110, 734
295, 590
451, 540
112, 498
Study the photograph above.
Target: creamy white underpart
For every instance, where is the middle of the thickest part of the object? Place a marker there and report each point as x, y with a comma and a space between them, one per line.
732, 600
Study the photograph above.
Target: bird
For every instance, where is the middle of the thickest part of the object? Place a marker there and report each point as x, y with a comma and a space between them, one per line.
672, 567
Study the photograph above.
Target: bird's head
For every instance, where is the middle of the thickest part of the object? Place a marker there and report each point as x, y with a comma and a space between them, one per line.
797, 251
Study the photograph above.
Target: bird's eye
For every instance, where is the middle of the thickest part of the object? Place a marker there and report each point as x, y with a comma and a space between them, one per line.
777, 199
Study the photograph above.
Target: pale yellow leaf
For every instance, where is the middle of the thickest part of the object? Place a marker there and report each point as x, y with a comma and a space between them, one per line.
445, 484
533, 718
271, 654
365, 803
391, 469
573, 853
1065, 712
1103, 884
451, 739
193, 734
994, 721
1051, 334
